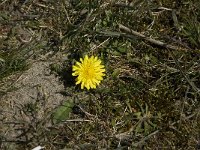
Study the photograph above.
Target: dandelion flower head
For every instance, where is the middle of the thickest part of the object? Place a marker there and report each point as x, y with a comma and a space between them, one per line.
89, 72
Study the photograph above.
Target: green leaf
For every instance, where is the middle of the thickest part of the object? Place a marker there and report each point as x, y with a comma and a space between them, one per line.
115, 73
62, 112
122, 49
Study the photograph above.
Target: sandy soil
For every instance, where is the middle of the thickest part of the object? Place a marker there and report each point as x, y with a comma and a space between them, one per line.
37, 94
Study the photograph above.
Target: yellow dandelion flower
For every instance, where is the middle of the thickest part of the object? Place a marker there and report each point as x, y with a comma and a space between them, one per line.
90, 72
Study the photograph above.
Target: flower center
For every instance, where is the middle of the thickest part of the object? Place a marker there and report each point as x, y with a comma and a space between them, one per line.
89, 71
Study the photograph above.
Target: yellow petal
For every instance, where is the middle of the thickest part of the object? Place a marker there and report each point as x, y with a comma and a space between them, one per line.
90, 72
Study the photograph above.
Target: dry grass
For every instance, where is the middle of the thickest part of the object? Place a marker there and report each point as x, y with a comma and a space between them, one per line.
150, 96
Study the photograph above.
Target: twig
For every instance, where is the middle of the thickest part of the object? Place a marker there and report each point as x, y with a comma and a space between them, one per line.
78, 120
44, 6
167, 46
146, 138
156, 42
88, 114
101, 44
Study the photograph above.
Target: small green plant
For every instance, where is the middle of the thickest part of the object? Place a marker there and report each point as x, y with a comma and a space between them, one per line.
61, 113
145, 121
